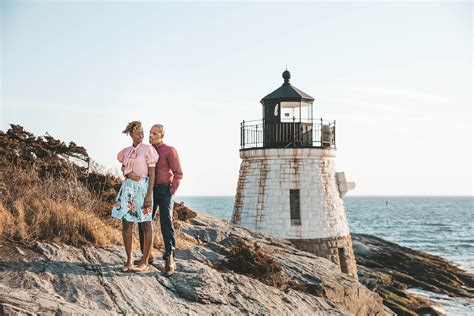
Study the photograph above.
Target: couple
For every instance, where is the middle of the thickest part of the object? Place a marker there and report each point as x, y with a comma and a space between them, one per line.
152, 176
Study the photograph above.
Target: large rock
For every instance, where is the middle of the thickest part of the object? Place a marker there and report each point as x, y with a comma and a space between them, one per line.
390, 269
56, 278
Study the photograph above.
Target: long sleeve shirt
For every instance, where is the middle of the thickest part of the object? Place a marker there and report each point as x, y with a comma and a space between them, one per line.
168, 169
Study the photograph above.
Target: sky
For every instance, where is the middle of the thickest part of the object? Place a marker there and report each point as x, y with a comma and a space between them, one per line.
396, 77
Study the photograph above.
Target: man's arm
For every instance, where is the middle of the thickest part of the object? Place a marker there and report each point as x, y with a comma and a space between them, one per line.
151, 175
175, 166
132, 175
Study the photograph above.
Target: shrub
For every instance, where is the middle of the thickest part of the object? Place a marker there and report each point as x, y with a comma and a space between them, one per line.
52, 191
251, 260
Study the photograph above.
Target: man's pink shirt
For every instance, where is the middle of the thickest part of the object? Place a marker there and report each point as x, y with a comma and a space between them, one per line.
168, 170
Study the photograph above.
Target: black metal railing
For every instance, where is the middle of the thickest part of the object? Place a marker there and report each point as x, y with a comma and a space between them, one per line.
302, 134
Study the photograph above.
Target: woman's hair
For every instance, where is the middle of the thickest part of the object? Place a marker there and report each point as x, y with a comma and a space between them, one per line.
131, 127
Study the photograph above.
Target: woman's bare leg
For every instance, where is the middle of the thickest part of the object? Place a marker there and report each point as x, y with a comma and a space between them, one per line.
127, 235
151, 255
147, 243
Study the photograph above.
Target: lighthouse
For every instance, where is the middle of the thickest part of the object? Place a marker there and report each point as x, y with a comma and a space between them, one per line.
288, 185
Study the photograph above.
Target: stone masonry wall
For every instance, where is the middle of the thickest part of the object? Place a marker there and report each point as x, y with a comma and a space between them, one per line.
262, 201
337, 249
263, 194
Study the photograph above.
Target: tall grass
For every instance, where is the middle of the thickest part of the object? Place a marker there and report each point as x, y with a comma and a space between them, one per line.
57, 209
62, 209
53, 191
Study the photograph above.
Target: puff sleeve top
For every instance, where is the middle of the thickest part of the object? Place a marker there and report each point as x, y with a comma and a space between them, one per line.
138, 159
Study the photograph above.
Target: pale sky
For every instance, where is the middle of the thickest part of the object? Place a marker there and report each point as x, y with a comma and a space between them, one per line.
396, 77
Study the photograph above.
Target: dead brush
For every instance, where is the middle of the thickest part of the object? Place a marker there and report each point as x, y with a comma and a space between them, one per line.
183, 213
251, 260
256, 262
50, 209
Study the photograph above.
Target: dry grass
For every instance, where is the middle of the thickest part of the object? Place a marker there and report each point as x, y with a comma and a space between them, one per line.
7, 222
53, 191
60, 210
34, 208
44, 219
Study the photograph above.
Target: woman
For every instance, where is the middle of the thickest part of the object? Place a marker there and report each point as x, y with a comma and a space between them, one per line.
134, 200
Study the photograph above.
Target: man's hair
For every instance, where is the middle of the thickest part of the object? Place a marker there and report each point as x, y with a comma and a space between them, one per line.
131, 127
161, 128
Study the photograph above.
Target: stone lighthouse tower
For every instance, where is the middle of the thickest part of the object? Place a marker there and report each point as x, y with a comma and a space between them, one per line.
288, 186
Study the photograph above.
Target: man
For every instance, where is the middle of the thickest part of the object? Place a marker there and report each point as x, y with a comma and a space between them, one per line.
167, 178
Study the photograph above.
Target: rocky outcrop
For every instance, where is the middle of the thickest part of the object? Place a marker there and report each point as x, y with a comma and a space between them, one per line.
57, 278
390, 269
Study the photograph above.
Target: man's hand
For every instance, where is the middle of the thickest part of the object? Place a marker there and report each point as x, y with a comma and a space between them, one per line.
133, 176
147, 202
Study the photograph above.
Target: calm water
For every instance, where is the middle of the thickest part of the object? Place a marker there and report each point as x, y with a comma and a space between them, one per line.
439, 225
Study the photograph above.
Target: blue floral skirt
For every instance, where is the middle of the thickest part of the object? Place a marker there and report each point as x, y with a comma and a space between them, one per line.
129, 202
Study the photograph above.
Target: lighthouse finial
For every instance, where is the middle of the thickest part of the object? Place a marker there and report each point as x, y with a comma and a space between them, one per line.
286, 76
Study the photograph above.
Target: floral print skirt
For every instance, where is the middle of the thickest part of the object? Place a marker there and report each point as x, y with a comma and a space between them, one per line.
129, 202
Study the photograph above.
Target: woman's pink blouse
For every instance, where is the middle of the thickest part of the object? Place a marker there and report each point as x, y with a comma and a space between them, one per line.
138, 159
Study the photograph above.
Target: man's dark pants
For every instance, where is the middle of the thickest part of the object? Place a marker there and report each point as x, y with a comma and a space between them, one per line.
163, 199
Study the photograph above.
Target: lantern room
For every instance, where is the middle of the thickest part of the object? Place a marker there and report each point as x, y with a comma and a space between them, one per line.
287, 121
287, 104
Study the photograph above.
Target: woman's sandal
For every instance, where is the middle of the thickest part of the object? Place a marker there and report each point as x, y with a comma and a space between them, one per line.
145, 268
126, 268
137, 262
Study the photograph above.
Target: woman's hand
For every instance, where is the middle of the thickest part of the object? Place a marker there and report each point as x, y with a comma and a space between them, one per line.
147, 201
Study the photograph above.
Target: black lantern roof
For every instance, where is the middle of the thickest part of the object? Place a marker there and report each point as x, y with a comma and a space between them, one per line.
287, 92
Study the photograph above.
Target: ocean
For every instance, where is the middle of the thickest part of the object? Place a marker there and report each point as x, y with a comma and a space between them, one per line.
438, 225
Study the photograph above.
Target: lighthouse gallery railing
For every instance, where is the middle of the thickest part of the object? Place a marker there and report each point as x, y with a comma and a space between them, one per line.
304, 134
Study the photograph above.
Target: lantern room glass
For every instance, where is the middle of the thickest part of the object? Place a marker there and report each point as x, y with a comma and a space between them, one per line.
296, 111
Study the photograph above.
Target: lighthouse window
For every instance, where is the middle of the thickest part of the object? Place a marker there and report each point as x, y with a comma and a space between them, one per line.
290, 111
295, 207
